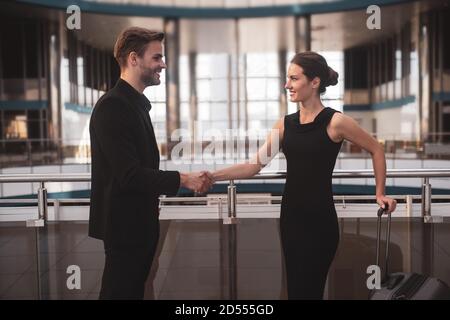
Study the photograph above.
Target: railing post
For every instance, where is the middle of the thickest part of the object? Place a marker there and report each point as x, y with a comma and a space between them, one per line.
231, 219
409, 205
42, 208
40, 222
426, 199
42, 202
220, 208
426, 203
232, 235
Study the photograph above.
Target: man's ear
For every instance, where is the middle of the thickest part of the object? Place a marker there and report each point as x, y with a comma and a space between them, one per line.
132, 59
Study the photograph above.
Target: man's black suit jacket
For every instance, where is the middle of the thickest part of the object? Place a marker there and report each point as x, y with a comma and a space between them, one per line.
126, 180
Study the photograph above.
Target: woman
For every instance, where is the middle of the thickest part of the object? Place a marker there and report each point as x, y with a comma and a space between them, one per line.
311, 139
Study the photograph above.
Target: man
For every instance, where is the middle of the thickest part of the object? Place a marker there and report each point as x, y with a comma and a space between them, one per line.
126, 180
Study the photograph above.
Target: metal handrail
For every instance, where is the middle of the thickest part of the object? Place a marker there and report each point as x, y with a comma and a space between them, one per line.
217, 197
426, 174
45, 177
367, 173
337, 174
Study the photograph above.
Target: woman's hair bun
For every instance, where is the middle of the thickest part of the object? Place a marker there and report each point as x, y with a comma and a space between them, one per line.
332, 77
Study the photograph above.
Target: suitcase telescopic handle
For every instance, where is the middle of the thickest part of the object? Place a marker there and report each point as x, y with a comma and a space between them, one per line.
388, 236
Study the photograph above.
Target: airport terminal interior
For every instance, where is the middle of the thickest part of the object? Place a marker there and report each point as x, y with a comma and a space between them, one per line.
222, 92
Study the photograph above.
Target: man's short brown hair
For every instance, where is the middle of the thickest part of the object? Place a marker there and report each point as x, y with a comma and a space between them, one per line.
134, 39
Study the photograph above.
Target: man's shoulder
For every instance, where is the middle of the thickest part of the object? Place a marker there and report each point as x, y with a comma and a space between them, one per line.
110, 107
112, 96
112, 101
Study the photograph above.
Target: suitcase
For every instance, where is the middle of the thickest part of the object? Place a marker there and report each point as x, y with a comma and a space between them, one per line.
401, 285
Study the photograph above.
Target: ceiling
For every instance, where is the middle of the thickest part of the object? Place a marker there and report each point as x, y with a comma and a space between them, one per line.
330, 31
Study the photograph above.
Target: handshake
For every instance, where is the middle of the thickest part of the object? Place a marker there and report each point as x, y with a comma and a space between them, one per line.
199, 182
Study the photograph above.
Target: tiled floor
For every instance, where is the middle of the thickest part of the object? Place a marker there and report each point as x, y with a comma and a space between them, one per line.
204, 259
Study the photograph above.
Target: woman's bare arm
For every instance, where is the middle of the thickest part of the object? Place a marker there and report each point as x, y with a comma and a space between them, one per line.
264, 155
347, 128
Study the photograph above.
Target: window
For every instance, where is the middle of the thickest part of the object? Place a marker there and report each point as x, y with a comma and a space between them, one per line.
356, 68
12, 51
31, 49
157, 97
334, 95
262, 90
15, 125
212, 92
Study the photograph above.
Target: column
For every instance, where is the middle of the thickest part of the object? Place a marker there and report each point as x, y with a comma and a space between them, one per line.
302, 33
282, 71
193, 99
423, 78
54, 47
172, 53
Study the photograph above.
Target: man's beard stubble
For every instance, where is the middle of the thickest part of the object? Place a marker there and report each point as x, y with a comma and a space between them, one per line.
149, 79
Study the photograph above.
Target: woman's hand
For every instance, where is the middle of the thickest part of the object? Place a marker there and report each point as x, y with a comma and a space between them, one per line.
390, 202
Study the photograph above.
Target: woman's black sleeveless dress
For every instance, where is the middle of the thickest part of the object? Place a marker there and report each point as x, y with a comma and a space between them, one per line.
308, 220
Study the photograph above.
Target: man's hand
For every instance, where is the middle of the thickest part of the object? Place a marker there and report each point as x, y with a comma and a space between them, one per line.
199, 182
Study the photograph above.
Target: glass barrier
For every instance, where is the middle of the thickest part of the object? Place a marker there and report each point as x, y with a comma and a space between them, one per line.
206, 259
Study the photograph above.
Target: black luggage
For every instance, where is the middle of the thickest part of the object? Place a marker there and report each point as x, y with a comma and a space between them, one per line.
405, 286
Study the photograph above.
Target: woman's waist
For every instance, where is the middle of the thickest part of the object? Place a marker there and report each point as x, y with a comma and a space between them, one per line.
321, 201
320, 173
308, 186
308, 215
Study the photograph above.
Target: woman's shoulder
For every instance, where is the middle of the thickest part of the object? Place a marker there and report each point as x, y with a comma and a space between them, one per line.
292, 116
289, 120
332, 111
339, 119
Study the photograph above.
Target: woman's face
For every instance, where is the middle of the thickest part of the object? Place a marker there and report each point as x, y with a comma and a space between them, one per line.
299, 86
